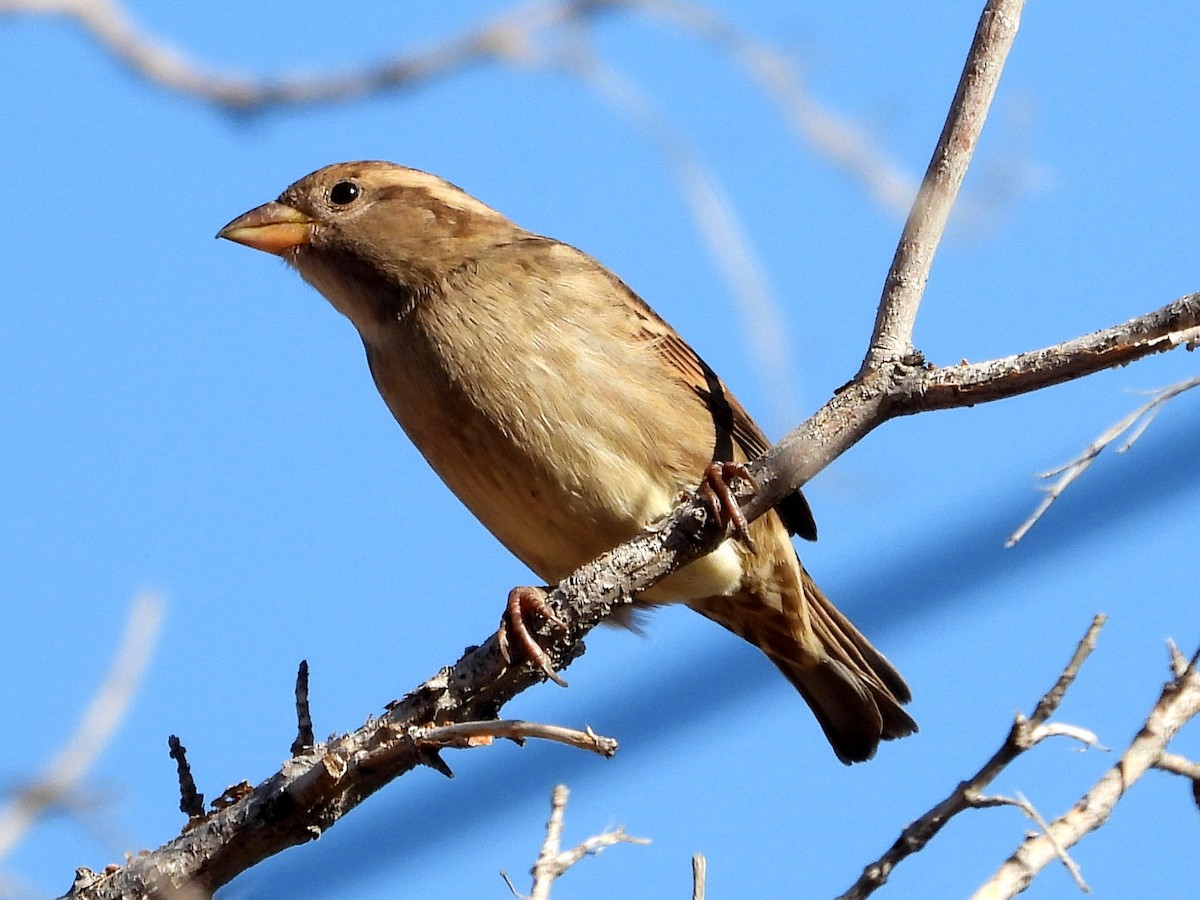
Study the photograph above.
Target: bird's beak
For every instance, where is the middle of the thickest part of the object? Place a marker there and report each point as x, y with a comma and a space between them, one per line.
273, 228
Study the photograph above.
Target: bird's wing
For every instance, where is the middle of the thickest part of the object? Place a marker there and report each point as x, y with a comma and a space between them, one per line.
729, 416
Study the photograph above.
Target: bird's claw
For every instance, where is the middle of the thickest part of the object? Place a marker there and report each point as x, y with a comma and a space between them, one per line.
521, 602
717, 496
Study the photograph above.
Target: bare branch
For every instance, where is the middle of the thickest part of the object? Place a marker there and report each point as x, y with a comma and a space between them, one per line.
304, 726
1025, 733
100, 721
1023, 804
543, 869
906, 280
699, 876
1135, 424
553, 862
1178, 703
473, 734
833, 136
506, 37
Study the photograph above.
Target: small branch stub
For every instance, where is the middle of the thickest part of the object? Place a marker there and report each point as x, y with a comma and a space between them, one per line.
191, 801
304, 726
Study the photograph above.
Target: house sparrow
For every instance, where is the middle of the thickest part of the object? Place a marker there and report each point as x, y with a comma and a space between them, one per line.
564, 412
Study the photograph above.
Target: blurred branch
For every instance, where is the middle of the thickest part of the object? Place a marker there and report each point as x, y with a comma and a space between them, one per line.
1178, 703
152, 59
510, 38
1024, 734
1134, 424
715, 217
836, 138
553, 35
52, 789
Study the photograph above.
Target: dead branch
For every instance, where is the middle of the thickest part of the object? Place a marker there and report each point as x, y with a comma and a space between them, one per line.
472, 734
906, 279
1178, 703
1134, 424
1024, 734
553, 862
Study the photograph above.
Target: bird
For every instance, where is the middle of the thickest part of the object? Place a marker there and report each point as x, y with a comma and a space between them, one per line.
565, 413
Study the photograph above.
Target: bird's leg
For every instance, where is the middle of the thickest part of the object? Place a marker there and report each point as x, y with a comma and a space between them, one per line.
718, 498
521, 602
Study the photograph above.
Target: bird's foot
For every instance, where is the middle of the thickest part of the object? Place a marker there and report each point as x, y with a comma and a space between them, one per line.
717, 496
521, 602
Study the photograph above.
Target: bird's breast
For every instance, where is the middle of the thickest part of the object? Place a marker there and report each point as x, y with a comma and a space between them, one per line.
518, 430
560, 431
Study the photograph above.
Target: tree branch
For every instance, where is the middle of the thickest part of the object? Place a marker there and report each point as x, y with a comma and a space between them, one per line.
906, 280
553, 862
1178, 703
52, 789
1134, 424
1025, 733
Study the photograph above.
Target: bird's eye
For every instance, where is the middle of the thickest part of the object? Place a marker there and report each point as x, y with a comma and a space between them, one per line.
344, 192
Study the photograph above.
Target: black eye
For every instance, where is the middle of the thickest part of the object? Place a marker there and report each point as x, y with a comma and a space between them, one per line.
344, 192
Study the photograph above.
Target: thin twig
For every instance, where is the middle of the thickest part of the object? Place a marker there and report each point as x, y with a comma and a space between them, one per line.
699, 876
552, 862
1133, 424
1025, 733
1178, 765
543, 869
1022, 803
470, 734
1181, 765
191, 801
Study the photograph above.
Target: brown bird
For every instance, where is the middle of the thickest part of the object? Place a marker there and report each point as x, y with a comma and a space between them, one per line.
564, 412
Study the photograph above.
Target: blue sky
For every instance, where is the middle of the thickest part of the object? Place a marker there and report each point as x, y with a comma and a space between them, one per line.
184, 415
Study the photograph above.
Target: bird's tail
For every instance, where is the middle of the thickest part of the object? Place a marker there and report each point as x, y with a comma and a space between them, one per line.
855, 693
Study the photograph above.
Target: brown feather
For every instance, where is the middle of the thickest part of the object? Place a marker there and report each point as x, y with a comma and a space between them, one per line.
564, 412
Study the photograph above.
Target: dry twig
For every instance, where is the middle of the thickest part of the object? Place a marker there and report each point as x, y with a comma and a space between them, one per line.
1134, 425
552, 862
473, 734
1178, 703
1025, 733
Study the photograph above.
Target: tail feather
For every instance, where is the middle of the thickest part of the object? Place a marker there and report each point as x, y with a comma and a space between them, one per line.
854, 692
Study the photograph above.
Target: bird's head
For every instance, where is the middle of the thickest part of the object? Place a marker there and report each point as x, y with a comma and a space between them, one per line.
370, 234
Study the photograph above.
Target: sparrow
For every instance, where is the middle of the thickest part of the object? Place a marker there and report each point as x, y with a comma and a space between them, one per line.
565, 413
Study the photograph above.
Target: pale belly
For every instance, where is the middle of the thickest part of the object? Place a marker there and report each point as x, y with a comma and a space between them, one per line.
558, 494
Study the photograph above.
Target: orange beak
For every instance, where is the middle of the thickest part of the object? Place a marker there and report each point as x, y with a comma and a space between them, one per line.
273, 228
